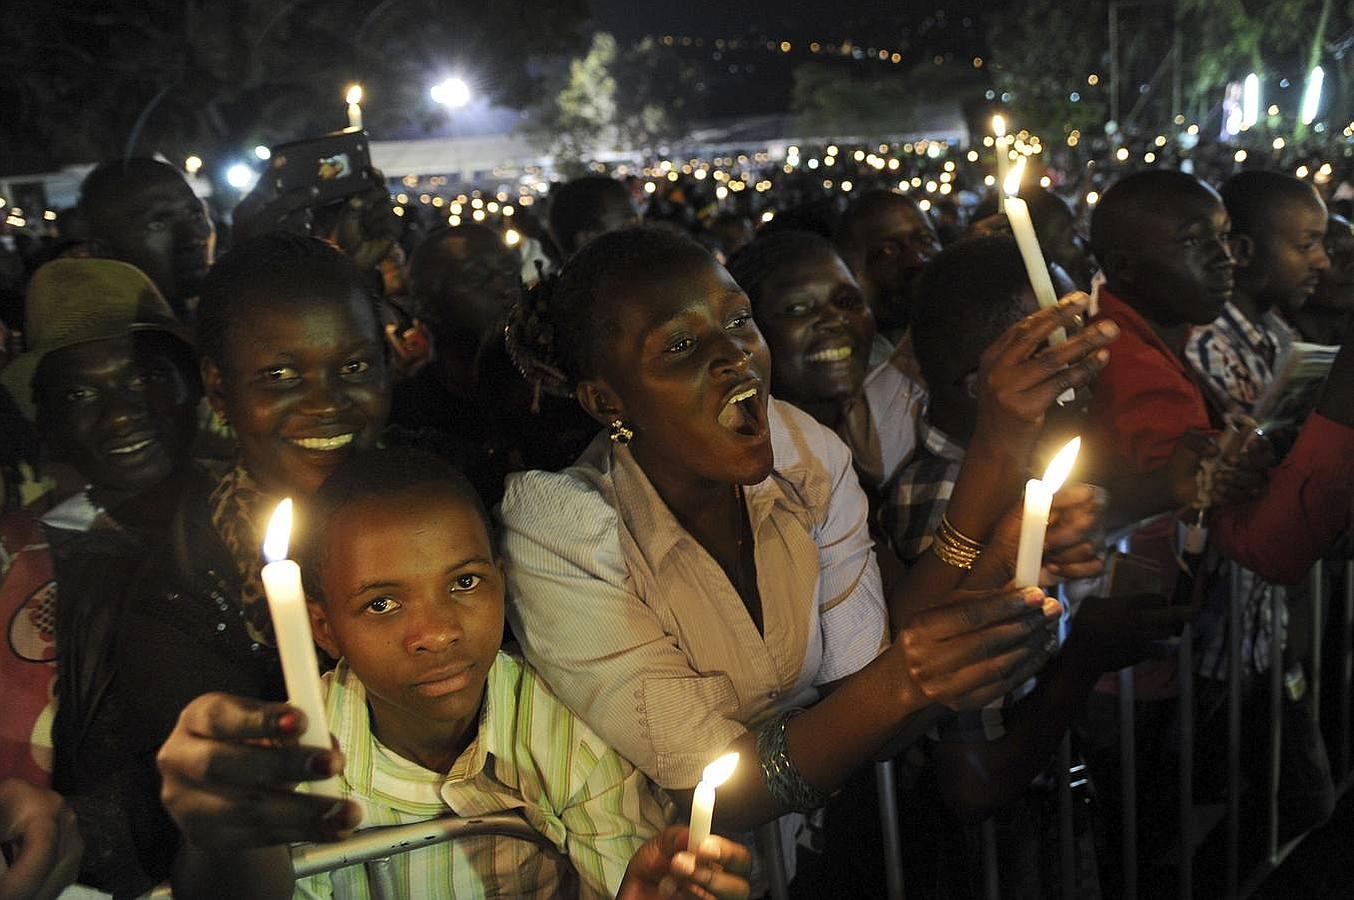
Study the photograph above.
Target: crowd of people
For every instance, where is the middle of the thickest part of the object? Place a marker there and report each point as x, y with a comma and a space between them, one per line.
581, 511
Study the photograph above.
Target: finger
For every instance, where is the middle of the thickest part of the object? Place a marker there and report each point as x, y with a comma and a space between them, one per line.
1019, 342
975, 612
229, 717
730, 855
256, 765
1057, 381
36, 858
938, 660
235, 819
69, 850
1073, 570
713, 879
1001, 677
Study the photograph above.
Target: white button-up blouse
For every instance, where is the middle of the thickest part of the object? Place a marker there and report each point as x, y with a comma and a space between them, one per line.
640, 632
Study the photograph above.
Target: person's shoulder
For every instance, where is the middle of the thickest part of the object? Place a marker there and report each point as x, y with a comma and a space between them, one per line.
801, 444
580, 496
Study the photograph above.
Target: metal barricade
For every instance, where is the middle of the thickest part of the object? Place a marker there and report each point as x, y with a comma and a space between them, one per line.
373, 848
1241, 876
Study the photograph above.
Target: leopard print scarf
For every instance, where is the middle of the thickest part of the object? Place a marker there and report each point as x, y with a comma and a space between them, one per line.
239, 510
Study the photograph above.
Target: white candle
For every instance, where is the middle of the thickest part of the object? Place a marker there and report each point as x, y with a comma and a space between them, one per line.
1034, 521
703, 801
354, 98
291, 630
999, 131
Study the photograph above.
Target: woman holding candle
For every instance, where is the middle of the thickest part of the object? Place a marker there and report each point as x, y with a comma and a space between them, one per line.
293, 358
702, 579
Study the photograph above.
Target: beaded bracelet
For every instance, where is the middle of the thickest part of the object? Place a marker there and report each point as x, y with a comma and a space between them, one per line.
783, 780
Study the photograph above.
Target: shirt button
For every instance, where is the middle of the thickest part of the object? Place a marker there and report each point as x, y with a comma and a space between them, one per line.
220, 626
773, 695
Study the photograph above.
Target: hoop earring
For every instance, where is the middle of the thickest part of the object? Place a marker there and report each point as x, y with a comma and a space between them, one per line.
621, 433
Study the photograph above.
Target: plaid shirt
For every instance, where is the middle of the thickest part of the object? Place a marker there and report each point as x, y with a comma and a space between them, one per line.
917, 502
1235, 360
918, 497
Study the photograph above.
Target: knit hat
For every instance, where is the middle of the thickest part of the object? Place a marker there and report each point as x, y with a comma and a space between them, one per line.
77, 301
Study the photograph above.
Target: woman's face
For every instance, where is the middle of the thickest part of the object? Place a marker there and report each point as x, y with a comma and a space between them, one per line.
304, 386
818, 326
687, 368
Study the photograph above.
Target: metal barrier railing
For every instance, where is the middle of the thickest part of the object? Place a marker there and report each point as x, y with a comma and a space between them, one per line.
1240, 878
373, 848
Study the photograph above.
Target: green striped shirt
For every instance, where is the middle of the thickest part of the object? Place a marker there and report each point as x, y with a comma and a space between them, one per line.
532, 756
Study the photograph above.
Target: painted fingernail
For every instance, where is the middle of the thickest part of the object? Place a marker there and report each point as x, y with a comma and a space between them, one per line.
1052, 608
321, 765
288, 722
1032, 595
684, 864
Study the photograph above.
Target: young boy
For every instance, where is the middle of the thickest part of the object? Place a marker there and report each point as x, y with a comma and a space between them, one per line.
433, 718
1325, 317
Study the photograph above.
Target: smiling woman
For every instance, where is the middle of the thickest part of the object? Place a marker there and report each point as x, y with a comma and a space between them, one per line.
292, 356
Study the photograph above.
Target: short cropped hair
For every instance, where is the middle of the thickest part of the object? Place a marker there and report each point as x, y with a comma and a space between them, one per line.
577, 205
376, 473
1118, 215
1251, 197
966, 297
272, 270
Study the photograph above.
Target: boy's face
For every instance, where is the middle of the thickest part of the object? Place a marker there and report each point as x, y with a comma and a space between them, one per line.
1181, 269
890, 248
160, 226
414, 603
1289, 254
120, 411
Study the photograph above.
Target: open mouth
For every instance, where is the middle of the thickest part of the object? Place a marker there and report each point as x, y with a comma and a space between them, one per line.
324, 444
831, 354
133, 447
744, 411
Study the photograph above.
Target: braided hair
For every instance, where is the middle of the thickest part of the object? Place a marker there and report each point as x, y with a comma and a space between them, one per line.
556, 331
768, 253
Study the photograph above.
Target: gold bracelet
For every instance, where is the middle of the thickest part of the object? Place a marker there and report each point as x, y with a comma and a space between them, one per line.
958, 537
951, 553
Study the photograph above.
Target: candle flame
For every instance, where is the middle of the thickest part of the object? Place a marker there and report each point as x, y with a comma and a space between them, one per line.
999, 125
1061, 466
279, 532
1012, 184
354, 93
720, 770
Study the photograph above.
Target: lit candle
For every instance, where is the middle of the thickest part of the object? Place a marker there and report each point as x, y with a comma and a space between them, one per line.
1022, 226
999, 130
703, 801
354, 110
1034, 522
291, 629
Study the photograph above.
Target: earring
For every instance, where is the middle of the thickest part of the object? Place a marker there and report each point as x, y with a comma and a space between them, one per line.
621, 433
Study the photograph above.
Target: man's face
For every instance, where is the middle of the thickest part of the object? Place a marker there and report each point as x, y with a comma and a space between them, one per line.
890, 247
159, 225
120, 411
1181, 264
1289, 253
1335, 290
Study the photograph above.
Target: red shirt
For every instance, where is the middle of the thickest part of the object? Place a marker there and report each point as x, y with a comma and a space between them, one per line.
1144, 402
28, 658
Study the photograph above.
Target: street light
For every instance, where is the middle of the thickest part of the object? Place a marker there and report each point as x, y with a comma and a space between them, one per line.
241, 177
263, 152
192, 164
1311, 99
450, 92
1250, 101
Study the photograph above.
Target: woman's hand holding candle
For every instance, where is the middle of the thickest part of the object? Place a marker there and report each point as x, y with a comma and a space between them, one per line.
291, 629
1034, 521
703, 800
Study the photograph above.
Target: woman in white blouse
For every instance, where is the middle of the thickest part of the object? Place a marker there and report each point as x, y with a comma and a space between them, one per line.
702, 579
